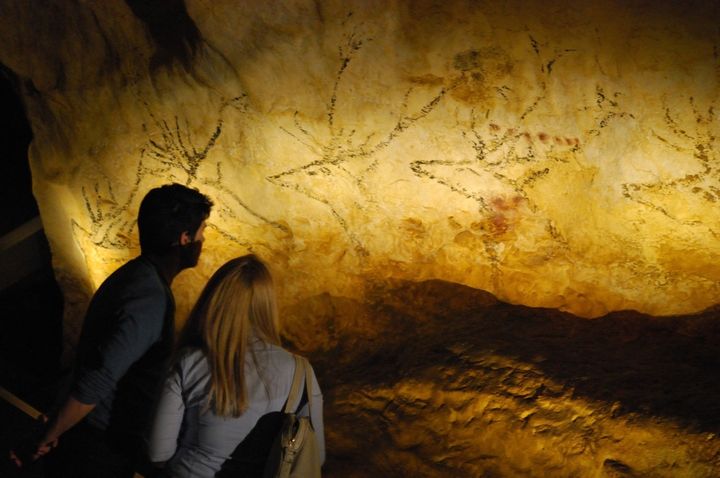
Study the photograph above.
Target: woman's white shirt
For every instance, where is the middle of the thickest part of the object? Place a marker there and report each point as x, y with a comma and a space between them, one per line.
192, 439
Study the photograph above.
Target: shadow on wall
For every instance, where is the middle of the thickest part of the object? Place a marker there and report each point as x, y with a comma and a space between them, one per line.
16, 198
30, 299
175, 34
657, 366
437, 379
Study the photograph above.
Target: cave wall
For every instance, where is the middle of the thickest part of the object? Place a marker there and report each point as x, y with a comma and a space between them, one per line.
392, 160
557, 155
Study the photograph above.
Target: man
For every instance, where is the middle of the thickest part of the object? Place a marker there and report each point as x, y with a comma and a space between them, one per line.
125, 344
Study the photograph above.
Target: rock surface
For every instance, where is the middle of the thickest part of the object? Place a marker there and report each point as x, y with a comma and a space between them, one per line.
496, 390
556, 154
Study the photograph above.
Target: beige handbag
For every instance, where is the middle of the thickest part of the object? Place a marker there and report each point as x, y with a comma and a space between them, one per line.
294, 453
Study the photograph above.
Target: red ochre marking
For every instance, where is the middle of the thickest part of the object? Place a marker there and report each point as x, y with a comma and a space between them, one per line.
499, 224
503, 204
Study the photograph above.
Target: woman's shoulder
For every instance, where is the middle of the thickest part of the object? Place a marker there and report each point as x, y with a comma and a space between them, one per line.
272, 352
276, 355
191, 360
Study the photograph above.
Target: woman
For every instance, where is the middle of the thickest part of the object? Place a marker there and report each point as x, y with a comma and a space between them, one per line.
231, 378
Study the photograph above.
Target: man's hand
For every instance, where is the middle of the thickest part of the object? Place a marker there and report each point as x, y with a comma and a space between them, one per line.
70, 414
23, 455
43, 449
33, 446
15, 459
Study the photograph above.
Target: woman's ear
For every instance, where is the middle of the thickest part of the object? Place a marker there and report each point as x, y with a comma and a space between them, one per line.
185, 238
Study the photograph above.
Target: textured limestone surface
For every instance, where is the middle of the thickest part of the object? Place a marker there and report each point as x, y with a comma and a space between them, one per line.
490, 389
556, 154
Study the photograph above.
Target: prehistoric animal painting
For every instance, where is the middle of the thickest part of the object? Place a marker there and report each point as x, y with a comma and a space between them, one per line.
340, 155
110, 225
175, 154
695, 135
504, 160
514, 155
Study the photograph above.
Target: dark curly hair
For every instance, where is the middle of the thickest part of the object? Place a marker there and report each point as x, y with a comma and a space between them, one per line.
168, 211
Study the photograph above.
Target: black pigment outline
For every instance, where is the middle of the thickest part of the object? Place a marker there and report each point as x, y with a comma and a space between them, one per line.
703, 150
487, 160
340, 149
175, 152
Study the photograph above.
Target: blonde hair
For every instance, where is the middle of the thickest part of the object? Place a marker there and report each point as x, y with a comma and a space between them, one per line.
238, 300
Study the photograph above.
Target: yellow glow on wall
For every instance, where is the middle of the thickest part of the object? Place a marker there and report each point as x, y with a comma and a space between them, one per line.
552, 164
556, 154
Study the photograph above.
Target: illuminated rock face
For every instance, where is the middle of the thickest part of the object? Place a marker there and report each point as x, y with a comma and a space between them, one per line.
556, 155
